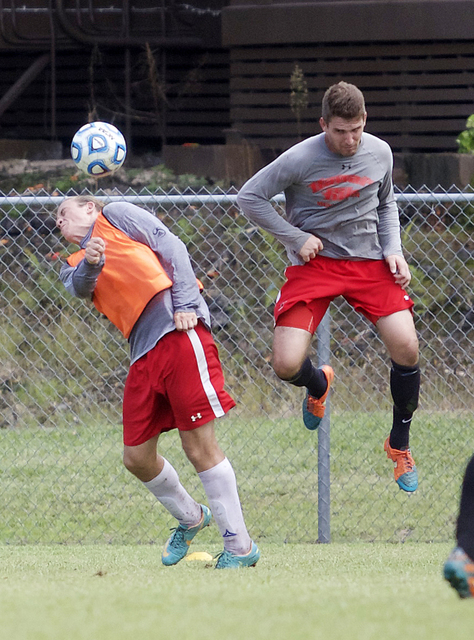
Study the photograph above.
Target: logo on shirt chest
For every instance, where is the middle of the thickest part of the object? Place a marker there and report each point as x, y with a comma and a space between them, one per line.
337, 188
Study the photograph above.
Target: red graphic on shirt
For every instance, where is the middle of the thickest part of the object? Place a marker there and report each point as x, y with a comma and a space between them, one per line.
331, 192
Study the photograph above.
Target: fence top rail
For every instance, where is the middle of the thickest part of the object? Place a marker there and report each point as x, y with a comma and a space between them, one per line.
222, 199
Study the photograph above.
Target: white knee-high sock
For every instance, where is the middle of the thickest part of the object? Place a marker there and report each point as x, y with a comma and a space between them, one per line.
168, 490
220, 486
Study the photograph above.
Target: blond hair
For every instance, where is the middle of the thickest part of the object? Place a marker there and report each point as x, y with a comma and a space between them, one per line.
83, 200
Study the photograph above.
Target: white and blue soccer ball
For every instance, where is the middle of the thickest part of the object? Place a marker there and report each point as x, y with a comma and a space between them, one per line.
98, 149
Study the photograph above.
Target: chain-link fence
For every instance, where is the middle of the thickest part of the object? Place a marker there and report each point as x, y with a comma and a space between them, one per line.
62, 369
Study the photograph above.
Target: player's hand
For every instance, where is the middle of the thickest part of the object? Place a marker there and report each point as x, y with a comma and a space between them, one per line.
94, 250
185, 320
311, 248
400, 270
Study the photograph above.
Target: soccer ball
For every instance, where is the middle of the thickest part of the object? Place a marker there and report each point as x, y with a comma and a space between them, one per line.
98, 149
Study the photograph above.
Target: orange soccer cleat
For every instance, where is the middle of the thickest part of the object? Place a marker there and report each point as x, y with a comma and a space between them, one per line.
313, 408
406, 475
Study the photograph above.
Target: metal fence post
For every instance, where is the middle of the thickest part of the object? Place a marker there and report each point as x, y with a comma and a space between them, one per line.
48, 417
324, 439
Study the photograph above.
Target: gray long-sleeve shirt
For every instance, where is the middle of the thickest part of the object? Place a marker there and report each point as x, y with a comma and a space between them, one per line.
157, 318
347, 202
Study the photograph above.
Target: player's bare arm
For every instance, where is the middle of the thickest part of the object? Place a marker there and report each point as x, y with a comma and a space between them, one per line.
94, 250
400, 269
185, 320
311, 248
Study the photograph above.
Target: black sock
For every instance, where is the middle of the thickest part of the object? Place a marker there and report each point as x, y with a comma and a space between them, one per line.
312, 378
465, 523
400, 433
405, 389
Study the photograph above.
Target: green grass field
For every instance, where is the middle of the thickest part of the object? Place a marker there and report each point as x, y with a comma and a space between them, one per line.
80, 539
66, 484
335, 592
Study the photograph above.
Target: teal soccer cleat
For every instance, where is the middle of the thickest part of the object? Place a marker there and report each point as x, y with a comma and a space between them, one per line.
229, 560
459, 572
177, 545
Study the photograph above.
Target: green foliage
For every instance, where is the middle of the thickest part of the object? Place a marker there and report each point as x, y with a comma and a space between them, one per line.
298, 96
242, 270
67, 179
48, 340
62, 370
63, 180
441, 276
465, 139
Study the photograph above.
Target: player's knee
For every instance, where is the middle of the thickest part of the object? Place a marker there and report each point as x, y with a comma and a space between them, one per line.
203, 457
133, 462
286, 368
407, 353
412, 352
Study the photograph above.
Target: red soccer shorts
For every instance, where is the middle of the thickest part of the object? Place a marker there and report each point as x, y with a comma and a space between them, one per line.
177, 385
367, 285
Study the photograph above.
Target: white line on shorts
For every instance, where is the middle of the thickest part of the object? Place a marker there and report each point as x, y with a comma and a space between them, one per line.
204, 374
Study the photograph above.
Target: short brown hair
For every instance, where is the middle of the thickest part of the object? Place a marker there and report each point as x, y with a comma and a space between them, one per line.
343, 100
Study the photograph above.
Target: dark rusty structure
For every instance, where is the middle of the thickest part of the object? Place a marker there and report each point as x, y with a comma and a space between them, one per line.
211, 71
156, 69
414, 60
